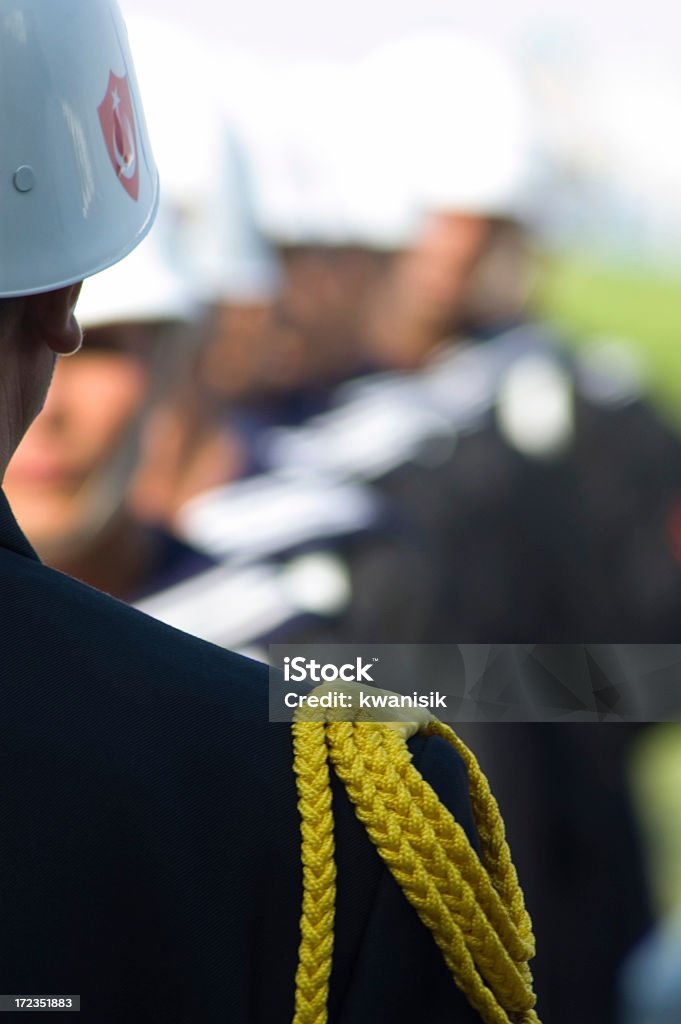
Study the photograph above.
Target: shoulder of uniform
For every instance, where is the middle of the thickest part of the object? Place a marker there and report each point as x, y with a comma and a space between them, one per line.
95, 636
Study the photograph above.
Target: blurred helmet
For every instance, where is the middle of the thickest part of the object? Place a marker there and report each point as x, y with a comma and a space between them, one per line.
451, 116
290, 147
207, 207
318, 181
78, 184
145, 288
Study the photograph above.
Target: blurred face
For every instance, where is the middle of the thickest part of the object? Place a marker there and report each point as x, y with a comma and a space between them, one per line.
322, 303
60, 480
308, 335
232, 361
420, 301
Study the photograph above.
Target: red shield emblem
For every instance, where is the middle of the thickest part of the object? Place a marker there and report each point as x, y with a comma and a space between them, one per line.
117, 119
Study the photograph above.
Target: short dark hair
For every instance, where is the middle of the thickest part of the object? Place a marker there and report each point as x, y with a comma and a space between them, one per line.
6, 306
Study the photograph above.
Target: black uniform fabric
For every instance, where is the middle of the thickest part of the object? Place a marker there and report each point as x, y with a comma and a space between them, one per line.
579, 548
149, 836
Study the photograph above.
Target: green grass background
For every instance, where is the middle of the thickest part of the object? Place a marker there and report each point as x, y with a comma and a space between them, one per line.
640, 304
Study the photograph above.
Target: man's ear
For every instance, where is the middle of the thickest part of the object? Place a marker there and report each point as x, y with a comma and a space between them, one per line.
50, 319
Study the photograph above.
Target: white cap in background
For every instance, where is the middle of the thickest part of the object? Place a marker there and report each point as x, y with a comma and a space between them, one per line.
210, 228
450, 113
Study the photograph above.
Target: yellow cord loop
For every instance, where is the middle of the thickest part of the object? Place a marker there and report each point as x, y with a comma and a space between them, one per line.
474, 909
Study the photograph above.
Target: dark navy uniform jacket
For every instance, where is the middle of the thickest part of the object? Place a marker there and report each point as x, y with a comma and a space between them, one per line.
149, 837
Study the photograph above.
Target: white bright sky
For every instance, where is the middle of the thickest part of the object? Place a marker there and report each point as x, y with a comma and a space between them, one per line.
347, 27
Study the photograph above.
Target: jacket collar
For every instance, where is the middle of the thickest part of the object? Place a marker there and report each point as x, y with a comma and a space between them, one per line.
11, 536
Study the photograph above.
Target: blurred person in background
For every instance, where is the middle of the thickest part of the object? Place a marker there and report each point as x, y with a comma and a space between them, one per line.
333, 234
278, 294
280, 297
484, 427
310, 337
211, 241
69, 480
531, 482
558, 475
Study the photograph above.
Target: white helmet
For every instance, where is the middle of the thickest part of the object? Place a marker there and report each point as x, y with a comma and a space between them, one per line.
78, 184
451, 113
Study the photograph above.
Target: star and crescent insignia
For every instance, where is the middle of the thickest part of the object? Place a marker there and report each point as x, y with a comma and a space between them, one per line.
117, 118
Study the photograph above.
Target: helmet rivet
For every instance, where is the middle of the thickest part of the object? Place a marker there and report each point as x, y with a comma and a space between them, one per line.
24, 178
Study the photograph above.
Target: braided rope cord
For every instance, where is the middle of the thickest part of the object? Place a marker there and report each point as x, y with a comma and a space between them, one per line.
319, 873
474, 909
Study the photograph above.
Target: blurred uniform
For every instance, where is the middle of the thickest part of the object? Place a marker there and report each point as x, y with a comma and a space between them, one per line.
541, 486
535, 488
293, 557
